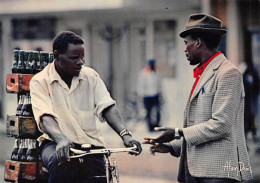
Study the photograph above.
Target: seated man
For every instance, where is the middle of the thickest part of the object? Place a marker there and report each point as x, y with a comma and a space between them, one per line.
68, 99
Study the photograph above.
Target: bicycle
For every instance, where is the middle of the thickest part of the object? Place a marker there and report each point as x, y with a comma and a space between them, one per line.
112, 173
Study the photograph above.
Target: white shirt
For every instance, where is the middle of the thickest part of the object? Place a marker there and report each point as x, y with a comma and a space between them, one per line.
76, 109
149, 83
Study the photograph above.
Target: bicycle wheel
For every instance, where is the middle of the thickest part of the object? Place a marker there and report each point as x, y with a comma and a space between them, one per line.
114, 171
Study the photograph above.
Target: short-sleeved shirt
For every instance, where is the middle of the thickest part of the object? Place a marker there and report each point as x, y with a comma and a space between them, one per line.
76, 109
149, 83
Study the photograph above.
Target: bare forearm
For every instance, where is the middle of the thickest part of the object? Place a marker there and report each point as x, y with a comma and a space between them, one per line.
51, 127
114, 119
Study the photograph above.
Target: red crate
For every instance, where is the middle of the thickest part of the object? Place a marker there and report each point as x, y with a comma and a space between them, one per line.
18, 83
16, 171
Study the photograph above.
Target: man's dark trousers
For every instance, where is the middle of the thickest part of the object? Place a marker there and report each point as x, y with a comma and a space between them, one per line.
73, 171
149, 104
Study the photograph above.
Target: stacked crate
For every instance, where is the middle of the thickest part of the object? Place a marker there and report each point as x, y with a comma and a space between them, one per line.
24, 166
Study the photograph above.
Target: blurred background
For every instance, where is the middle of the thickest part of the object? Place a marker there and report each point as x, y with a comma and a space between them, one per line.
120, 37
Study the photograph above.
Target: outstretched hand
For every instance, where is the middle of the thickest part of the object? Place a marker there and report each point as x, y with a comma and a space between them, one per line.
160, 144
167, 136
157, 147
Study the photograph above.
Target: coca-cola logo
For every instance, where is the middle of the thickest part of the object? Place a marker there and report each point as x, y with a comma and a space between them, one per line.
18, 112
26, 113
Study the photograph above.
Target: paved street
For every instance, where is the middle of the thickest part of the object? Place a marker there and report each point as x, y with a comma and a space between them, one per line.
161, 168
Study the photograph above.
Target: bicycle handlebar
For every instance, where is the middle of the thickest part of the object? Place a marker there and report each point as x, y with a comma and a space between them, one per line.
80, 153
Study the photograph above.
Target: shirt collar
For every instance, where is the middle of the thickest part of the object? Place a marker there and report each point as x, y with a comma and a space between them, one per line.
54, 76
200, 68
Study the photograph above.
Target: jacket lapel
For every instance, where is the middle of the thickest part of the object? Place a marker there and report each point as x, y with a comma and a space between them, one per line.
208, 73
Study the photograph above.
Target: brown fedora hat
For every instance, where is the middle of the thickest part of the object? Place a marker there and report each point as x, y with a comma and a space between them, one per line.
203, 23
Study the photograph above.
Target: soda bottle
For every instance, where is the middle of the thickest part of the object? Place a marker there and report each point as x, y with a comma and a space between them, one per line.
44, 56
28, 63
35, 60
25, 148
39, 63
27, 107
21, 66
20, 105
14, 155
31, 153
22, 150
42, 60
15, 61
51, 57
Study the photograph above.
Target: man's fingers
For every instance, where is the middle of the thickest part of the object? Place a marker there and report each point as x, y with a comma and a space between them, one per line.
63, 154
147, 138
163, 128
138, 147
148, 141
60, 155
67, 153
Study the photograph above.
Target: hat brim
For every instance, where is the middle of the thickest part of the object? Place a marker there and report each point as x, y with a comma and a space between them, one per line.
206, 30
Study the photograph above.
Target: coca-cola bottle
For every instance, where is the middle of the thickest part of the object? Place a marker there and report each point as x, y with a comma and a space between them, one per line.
31, 153
20, 105
15, 61
21, 66
51, 57
35, 60
27, 61
23, 156
22, 149
27, 107
14, 155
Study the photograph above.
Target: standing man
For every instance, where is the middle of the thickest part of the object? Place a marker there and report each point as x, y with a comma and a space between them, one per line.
149, 89
68, 99
212, 147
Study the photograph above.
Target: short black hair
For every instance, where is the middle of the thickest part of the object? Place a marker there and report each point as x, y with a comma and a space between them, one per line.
211, 40
62, 40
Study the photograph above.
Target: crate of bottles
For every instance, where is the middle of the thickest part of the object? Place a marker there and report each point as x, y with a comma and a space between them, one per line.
25, 164
22, 124
18, 83
21, 127
25, 64
16, 171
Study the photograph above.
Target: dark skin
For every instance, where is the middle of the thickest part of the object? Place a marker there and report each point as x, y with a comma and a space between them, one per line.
68, 65
196, 52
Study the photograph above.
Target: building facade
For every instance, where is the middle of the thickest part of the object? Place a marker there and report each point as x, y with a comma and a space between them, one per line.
121, 35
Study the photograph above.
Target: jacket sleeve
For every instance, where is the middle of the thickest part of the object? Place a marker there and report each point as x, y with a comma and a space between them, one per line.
176, 147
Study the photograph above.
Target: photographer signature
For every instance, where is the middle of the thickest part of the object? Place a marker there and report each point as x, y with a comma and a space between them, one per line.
240, 168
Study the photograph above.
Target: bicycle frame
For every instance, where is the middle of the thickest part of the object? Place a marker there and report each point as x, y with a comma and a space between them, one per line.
79, 153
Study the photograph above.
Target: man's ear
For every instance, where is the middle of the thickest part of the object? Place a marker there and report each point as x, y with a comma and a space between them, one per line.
55, 54
199, 42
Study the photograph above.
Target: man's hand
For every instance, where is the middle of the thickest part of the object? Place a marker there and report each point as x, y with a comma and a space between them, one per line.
62, 150
130, 142
167, 136
157, 147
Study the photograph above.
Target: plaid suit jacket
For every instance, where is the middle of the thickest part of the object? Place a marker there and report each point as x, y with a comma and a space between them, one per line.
214, 126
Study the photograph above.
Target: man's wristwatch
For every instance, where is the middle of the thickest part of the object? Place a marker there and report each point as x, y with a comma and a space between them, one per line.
176, 133
125, 132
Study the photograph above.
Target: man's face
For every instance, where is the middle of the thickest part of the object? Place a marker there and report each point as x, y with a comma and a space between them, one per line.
70, 62
191, 50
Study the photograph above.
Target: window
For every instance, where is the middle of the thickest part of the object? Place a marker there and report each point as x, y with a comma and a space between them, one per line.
34, 28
